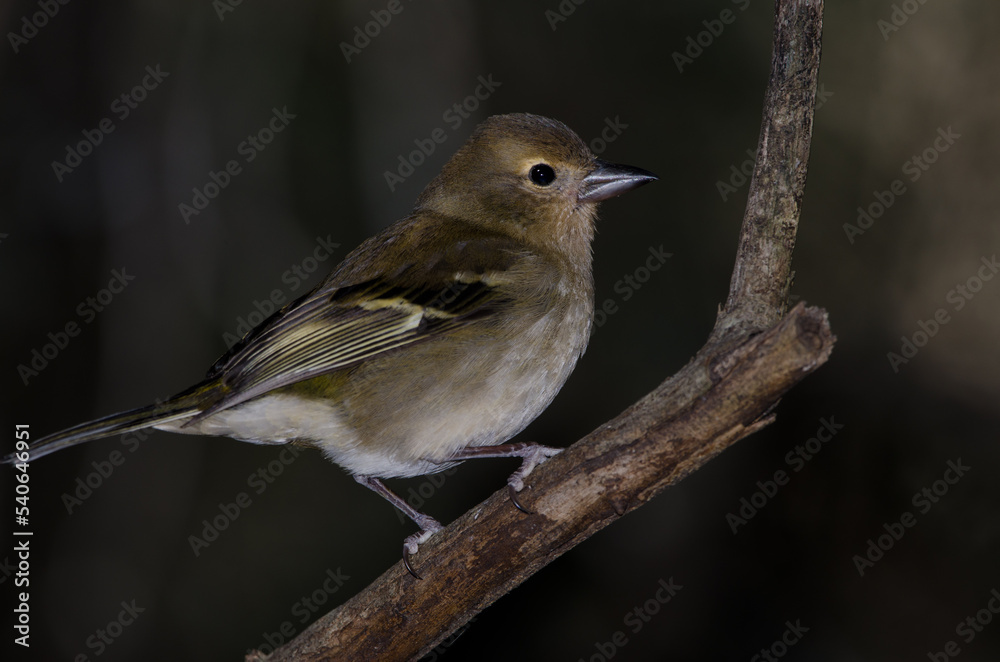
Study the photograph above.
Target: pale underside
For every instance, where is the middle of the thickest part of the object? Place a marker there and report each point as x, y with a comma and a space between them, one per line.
506, 388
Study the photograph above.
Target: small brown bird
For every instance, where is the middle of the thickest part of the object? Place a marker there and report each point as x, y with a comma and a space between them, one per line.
433, 342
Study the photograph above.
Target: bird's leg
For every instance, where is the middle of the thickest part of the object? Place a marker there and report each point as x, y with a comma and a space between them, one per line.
428, 525
532, 454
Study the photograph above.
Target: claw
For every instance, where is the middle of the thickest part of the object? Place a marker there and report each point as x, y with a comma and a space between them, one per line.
428, 527
514, 500
406, 563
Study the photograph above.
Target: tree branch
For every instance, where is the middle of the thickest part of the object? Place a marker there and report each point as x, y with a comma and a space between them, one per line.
758, 291
723, 394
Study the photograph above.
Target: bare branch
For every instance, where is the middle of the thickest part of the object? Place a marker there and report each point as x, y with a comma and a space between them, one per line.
725, 393
758, 292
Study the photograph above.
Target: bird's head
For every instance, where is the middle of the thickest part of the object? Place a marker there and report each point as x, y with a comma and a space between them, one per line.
530, 177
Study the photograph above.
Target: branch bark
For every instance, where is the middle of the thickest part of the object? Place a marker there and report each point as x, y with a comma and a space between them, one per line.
762, 276
723, 394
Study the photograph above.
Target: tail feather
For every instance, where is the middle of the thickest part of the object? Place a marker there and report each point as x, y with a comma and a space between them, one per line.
180, 406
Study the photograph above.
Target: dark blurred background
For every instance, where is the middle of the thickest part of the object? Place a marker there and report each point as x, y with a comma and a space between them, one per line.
894, 79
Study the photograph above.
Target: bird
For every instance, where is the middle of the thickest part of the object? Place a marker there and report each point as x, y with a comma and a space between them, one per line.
433, 342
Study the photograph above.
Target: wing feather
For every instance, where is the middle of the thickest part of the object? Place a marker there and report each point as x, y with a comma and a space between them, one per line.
334, 328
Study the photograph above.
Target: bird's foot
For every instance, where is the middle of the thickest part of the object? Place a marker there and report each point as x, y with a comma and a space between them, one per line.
533, 455
428, 527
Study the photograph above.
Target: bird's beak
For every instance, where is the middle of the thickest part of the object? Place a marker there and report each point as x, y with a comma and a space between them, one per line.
610, 179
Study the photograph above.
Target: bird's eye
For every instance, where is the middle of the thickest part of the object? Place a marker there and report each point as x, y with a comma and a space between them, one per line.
542, 174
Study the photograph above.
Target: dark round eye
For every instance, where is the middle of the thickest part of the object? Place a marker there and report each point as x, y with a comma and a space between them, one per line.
542, 174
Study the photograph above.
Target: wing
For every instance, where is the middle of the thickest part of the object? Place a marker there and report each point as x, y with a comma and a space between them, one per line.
341, 323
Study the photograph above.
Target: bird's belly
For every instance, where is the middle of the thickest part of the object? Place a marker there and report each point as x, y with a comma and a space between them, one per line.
273, 418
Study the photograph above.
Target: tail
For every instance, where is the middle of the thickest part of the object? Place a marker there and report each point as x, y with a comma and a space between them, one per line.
180, 406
